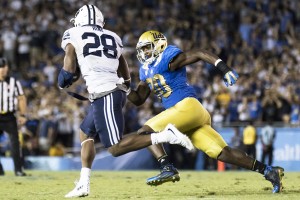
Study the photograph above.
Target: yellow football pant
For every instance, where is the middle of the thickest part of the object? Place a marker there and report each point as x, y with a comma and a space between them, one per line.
191, 118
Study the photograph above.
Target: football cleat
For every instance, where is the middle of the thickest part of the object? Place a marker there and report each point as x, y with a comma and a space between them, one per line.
20, 173
176, 137
274, 175
81, 190
168, 173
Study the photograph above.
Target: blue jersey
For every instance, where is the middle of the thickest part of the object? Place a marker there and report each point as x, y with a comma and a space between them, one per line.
170, 86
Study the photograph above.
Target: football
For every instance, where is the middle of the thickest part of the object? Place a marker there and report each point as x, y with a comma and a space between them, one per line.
77, 73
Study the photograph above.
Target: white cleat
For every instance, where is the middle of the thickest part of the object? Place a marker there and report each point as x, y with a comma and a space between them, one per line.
176, 137
81, 190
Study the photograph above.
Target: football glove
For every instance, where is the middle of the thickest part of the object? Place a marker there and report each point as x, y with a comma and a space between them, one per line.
230, 78
65, 79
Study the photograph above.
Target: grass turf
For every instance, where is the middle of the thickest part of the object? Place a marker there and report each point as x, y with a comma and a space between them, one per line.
117, 185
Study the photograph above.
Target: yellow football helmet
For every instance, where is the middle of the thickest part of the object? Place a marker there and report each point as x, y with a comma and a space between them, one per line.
150, 45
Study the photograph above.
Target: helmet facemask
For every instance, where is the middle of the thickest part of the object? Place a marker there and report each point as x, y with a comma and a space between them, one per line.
146, 53
150, 46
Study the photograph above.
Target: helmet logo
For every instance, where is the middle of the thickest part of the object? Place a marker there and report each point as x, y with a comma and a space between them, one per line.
157, 35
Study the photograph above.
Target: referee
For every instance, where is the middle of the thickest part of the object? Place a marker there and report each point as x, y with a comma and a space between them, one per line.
12, 99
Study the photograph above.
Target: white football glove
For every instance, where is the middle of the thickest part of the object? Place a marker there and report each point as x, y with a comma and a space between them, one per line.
230, 78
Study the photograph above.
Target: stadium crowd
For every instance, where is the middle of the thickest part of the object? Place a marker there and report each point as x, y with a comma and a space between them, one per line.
258, 38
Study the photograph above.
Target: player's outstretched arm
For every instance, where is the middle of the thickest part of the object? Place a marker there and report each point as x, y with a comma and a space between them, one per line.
229, 75
190, 57
139, 96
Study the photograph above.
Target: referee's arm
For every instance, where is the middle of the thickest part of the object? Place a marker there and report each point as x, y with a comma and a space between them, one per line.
22, 103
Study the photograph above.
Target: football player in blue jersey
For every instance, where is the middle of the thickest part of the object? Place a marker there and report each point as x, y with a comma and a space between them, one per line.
163, 71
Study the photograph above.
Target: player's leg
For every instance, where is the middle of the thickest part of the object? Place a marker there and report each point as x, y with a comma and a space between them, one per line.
263, 156
237, 157
188, 115
88, 151
133, 142
270, 155
1, 167
1, 170
88, 130
110, 130
11, 128
211, 142
167, 170
195, 121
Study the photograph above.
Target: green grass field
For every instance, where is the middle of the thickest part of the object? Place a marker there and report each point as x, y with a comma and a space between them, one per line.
110, 185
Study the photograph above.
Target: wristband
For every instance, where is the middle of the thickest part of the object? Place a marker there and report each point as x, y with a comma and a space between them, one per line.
217, 62
221, 65
65, 78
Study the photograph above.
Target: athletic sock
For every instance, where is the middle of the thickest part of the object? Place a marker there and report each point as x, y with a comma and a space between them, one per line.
163, 136
157, 138
258, 167
163, 160
85, 174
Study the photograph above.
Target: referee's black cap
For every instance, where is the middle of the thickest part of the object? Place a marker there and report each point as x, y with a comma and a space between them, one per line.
3, 62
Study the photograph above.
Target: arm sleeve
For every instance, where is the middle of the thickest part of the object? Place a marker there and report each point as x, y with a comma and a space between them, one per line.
19, 90
142, 75
120, 44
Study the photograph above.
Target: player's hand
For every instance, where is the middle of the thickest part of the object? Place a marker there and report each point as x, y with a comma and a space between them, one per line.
22, 120
230, 78
65, 79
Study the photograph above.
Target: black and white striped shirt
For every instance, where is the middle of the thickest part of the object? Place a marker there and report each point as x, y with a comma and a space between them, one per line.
10, 89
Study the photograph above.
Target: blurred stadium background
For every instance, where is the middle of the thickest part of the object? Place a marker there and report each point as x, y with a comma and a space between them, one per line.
258, 38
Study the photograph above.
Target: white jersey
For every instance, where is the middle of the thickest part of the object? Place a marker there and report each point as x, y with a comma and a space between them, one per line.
98, 51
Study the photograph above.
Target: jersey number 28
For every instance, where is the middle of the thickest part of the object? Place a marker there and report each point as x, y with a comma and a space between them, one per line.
109, 48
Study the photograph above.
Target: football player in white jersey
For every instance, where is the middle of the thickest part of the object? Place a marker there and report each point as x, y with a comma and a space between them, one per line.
99, 54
